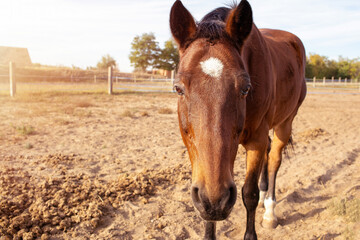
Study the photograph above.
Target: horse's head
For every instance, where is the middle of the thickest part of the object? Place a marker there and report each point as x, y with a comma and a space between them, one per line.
212, 84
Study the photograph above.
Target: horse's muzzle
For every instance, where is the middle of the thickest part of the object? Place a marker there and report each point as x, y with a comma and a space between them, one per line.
215, 210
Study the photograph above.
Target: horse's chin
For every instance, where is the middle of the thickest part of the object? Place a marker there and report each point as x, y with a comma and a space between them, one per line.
214, 215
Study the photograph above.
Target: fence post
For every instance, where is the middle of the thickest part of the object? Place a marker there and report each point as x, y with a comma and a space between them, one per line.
339, 79
172, 76
332, 79
12, 79
324, 80
94, 78
314, 81
110, 84
345, 81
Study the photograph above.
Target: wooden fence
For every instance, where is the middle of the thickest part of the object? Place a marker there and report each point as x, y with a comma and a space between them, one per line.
349, 84
111, 81
114, 81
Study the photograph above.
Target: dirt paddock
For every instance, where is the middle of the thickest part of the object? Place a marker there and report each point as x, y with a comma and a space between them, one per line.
92, 166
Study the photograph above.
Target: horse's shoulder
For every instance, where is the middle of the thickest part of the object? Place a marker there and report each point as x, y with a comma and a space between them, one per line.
278, 37
284, 46
276, 34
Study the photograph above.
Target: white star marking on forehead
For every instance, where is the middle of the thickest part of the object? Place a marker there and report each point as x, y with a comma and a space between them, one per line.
212, 67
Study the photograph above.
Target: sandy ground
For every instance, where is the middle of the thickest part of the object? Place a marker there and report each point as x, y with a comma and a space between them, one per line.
93, 166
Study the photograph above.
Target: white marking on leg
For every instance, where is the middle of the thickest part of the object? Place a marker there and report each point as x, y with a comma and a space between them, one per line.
212, 67
269, 209
262, 196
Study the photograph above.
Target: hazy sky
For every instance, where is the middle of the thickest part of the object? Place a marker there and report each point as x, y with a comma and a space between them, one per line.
79, 32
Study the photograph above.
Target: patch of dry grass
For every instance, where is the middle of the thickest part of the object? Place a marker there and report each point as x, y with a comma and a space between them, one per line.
347, 208
349, 234
84, 104
28, 146
144, 114
165, 111
82, 113
127, 113
24, 130
62, 121
68, 110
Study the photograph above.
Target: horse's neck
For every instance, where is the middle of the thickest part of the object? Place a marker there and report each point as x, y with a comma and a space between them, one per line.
256, 56
257, 61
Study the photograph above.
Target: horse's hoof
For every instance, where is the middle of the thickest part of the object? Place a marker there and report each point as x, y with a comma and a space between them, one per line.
250, 236
269, 223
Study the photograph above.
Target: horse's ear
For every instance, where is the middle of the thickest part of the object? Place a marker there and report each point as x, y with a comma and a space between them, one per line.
182, 24
239, 22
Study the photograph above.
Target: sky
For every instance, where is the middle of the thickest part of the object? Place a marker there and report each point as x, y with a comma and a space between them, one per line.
80, 32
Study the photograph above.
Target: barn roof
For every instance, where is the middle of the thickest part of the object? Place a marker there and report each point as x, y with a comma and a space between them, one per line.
20, 56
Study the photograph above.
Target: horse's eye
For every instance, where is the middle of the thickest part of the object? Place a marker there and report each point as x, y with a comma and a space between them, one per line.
179, 90
245, 90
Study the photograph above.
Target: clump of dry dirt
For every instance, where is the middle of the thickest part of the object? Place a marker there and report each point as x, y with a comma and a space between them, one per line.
30, 208
130, 187
33, 207
56, 159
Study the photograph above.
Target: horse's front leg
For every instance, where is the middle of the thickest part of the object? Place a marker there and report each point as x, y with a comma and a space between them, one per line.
282, 135
264, 180
210, 230
255, 152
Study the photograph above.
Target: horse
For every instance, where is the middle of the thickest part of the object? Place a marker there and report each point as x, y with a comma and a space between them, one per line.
235, 83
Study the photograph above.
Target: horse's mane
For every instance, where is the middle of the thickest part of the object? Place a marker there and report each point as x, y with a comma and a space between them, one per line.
212, 25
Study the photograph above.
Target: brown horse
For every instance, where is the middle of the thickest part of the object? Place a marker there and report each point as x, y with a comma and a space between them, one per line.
235, 83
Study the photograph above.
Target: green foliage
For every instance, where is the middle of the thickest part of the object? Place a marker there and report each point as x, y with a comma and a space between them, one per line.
168, 58
105, 62
349, 68
320, 66
145, 51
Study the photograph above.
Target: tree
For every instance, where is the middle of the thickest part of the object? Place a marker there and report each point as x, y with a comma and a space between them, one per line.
145, 51
168, 58
355, 69
106, 61
349, 68
320, 66
344, 66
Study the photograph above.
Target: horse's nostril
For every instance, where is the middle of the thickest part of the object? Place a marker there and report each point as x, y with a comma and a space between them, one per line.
217, 208
195, 194
232, 197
